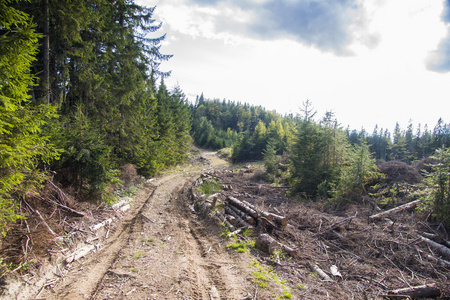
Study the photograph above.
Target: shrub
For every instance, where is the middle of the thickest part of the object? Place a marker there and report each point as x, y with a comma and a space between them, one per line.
439, 185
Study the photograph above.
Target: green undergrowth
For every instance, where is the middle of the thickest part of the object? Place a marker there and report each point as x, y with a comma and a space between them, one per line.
265, 277
209, 187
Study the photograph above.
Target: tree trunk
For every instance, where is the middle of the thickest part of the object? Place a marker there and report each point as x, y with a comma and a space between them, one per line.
242, 206
423, 291
409, 205
45, 85
268, 244
243, 215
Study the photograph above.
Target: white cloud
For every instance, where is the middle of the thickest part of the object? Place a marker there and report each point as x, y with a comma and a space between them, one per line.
385, 81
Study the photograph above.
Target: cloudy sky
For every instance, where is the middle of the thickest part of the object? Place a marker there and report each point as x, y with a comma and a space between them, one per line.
368, 61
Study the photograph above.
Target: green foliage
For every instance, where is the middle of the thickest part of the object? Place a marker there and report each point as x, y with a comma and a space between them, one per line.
263, 276
359, 171
307, 155
86, 154
137, 254
270, 160
439, 185
23, 148
240, 247
209, 187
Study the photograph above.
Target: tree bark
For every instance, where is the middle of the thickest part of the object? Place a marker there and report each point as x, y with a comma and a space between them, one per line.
423, 291
241, 205
45, 85
268, 244
394, 210
243, 215
440, 248
239, 220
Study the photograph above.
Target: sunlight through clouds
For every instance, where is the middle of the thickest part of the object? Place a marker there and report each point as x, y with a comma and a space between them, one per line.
369, 61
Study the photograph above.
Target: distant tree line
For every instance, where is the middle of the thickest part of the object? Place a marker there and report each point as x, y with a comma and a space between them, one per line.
404, 145
322, 158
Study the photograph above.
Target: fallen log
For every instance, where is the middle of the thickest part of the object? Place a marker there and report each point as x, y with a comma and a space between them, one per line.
239, 220
224, 220
380, 215
423, 291
243, 206
100, 225
283, 221
268, 244
243, 215
436, 238
440, 248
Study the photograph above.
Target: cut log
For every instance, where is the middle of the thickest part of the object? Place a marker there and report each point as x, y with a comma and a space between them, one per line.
242, 206
283, 221
233, 221
243, 215
100, 225
423, 291
440, 248
268, 244
225, 221
409, 205
237, 218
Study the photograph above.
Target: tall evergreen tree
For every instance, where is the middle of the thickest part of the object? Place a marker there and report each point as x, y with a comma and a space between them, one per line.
22, 147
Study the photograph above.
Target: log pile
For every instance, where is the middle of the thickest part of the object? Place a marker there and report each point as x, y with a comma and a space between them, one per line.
232, 212
237, 214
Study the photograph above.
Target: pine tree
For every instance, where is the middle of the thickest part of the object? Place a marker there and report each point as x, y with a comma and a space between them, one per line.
22, 146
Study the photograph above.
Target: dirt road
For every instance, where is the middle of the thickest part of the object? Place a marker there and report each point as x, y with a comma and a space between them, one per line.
159, 251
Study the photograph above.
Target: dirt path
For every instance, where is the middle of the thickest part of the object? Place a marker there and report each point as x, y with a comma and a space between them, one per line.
159, 251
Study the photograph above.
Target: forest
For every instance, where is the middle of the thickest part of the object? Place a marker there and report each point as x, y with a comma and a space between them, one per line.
79, 98
83, 95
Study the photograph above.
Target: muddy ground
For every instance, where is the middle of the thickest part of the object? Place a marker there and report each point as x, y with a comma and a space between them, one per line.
160, 249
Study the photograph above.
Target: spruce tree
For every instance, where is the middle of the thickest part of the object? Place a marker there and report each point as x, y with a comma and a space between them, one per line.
22, 147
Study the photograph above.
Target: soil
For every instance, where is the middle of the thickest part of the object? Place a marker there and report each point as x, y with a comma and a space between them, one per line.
160, 248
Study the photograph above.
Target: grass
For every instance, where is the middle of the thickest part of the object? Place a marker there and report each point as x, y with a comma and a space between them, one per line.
241, 247
264, 276
137, 254
147, 240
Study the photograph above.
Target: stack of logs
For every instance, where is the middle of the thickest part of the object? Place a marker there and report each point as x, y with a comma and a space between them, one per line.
239, 214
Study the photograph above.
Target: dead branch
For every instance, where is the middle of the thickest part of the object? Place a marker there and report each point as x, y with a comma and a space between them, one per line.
322, 274
45, 224
409, 205
334, 225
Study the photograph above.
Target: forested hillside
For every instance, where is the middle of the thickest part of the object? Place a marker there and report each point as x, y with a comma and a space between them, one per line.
80, 98
315, 155
83, 94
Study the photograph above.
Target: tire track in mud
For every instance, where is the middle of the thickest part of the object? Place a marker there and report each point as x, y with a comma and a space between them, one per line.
84, 281
159, 251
